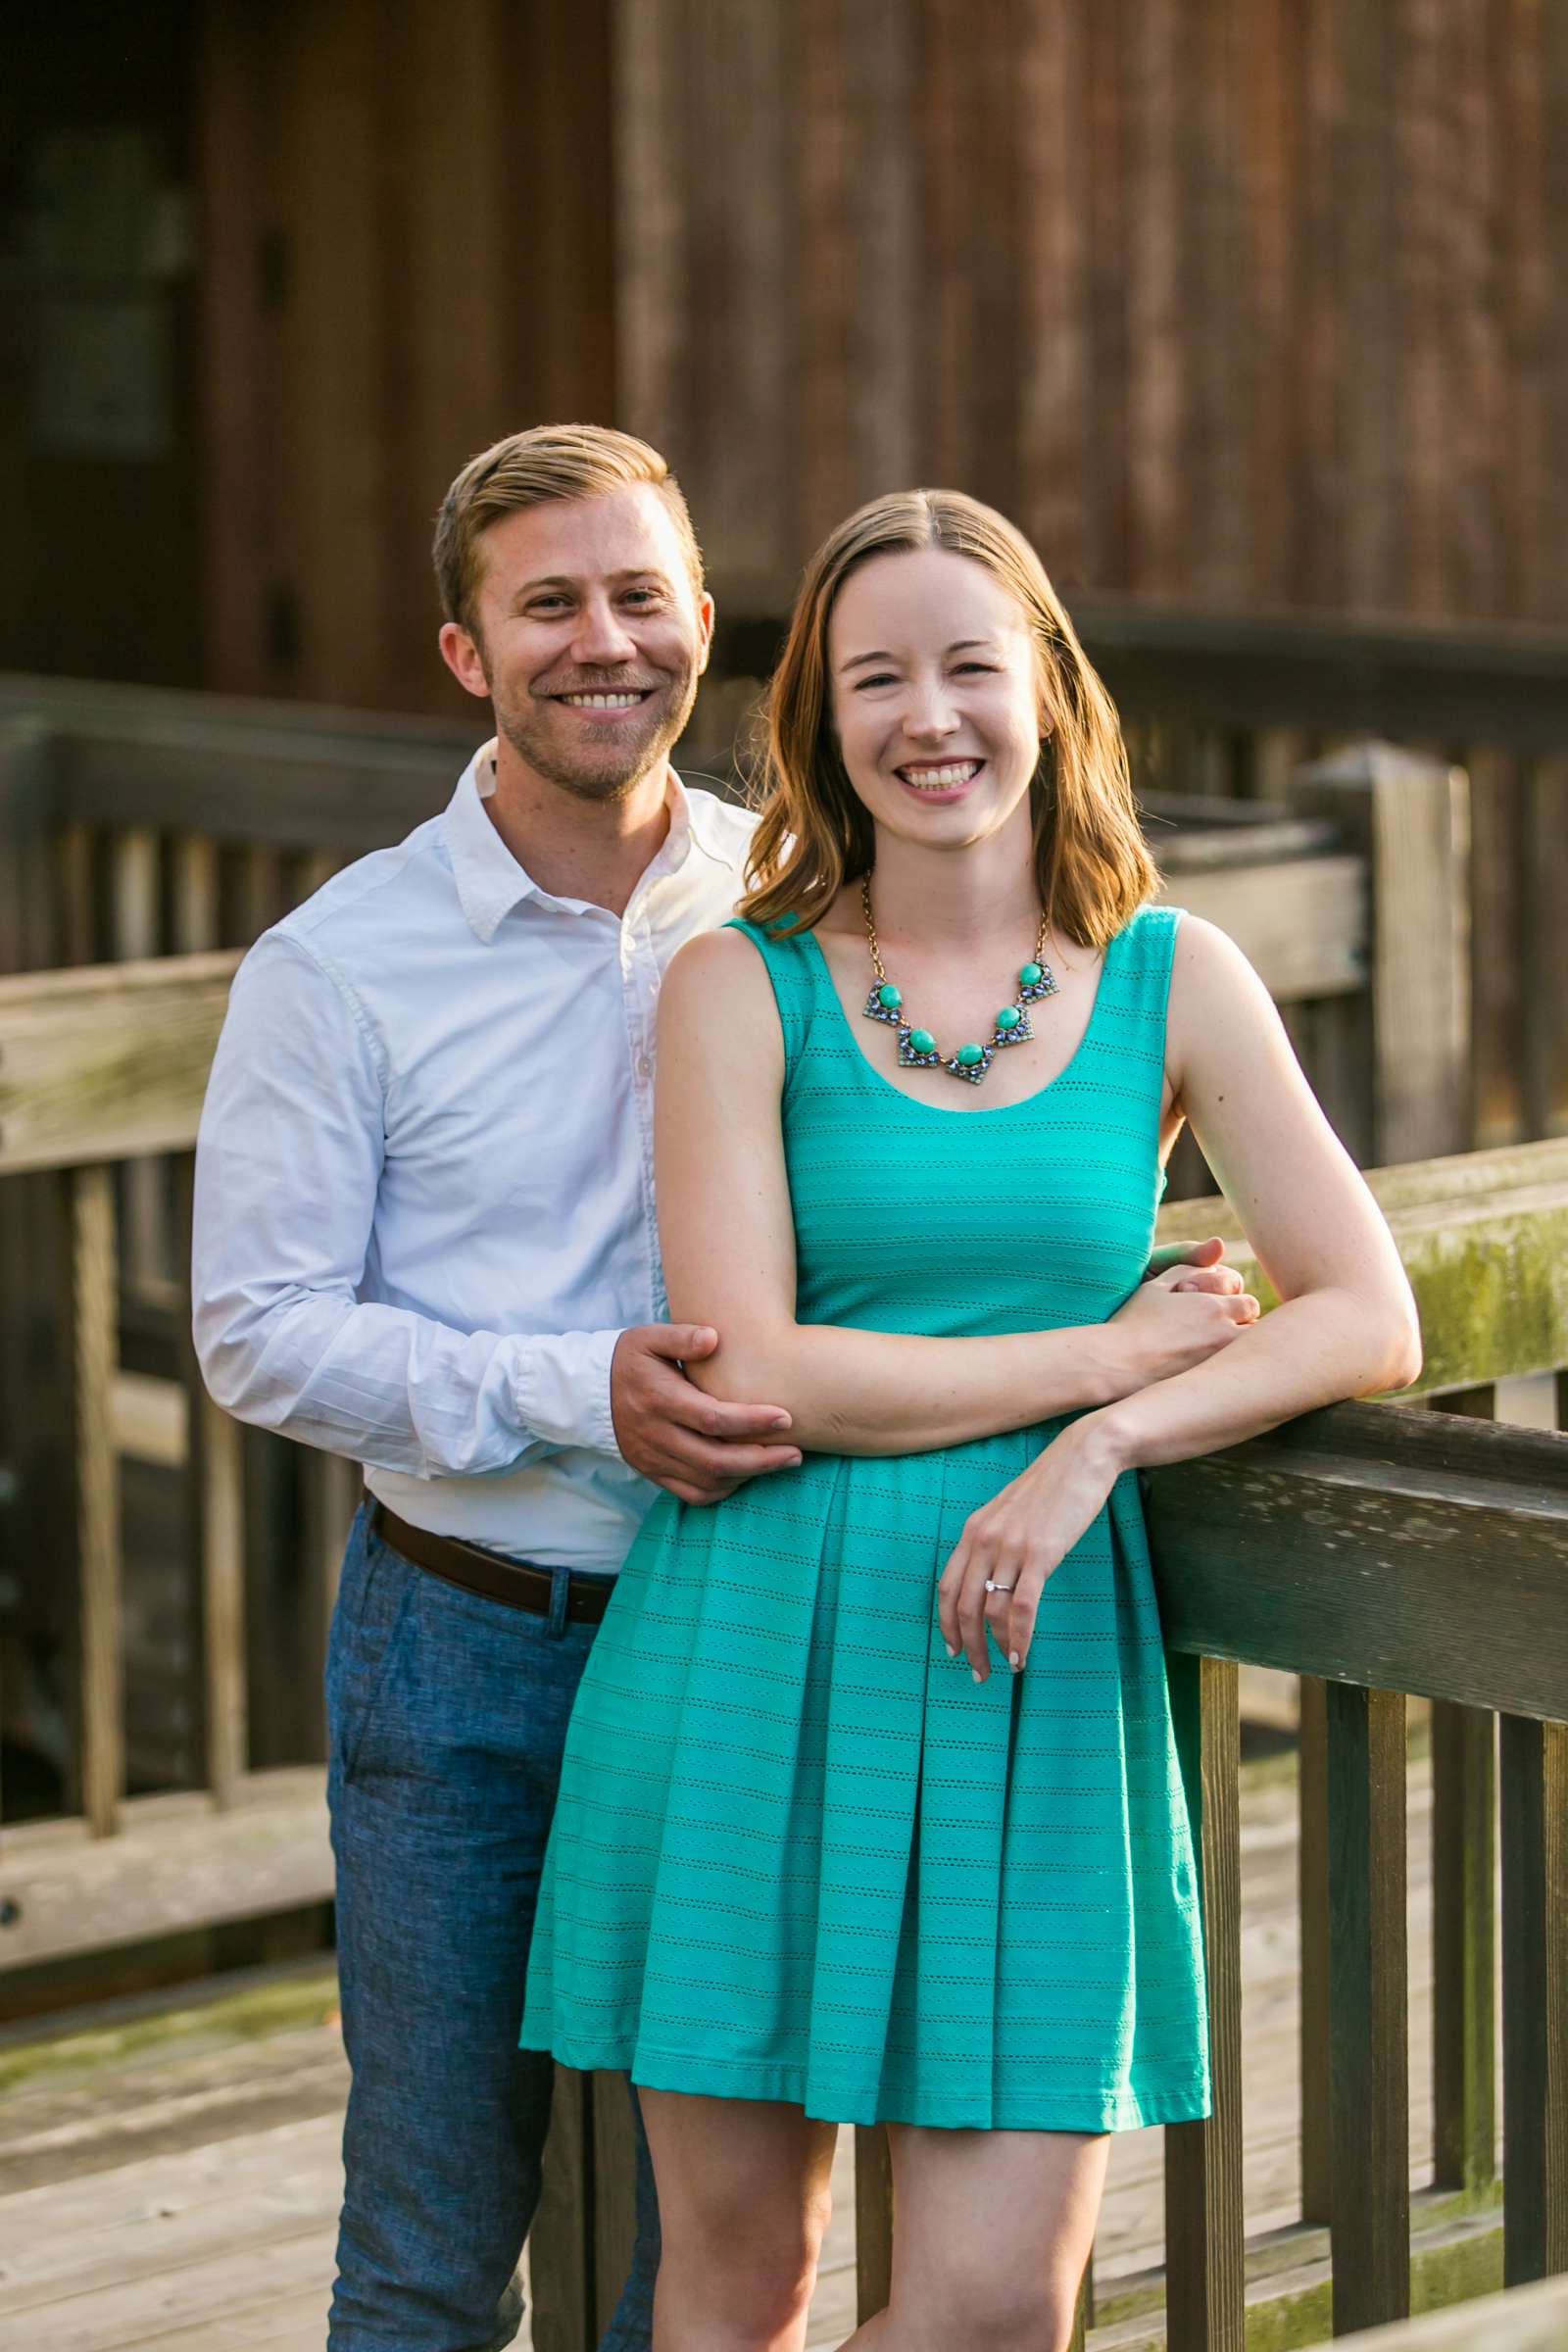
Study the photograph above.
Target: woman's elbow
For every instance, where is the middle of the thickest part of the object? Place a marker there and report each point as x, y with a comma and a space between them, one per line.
746, 1367
1401, 1350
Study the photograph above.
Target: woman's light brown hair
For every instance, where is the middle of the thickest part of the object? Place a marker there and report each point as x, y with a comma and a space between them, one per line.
1090, 861
528, 470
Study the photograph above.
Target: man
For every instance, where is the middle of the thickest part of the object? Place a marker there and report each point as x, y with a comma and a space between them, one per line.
425, 1238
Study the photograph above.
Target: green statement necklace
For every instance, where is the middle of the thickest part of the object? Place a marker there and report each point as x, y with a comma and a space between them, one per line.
917, 1048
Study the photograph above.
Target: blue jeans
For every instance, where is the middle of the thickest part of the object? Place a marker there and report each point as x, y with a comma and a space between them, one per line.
446, 1717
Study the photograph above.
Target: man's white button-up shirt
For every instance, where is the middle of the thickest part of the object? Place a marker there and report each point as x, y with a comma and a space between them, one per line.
425, 1179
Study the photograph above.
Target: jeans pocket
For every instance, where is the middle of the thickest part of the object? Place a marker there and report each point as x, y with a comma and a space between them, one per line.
371, 1611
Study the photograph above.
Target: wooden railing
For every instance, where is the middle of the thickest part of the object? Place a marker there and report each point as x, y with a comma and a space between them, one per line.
136, 824
1534, 2320
1372, 1550
1377, 1551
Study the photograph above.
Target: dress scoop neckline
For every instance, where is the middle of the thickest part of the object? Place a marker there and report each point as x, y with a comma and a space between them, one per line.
941, 1110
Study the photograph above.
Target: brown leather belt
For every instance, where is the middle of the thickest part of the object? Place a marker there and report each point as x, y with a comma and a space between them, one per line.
519, 1583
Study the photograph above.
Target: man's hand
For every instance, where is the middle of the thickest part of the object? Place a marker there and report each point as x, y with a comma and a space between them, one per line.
697, 1446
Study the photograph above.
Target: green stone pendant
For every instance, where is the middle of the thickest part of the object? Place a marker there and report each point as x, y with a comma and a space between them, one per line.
918, 1048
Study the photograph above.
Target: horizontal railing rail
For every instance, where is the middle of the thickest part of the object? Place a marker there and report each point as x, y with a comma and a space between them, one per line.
1374, 1550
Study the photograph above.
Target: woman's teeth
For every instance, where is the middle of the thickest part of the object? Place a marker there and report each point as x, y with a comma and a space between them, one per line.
602, 701
939, 779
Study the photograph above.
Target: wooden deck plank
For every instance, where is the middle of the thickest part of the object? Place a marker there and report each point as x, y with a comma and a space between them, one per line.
215, 2227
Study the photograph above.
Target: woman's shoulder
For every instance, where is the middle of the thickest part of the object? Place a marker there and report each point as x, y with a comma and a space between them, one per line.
733, 958
745, 969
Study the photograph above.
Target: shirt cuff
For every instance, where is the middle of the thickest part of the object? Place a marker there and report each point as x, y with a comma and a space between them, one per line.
561, 1389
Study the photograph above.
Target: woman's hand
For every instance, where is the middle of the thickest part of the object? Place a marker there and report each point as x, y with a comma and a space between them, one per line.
1178, 1318
1019, 1538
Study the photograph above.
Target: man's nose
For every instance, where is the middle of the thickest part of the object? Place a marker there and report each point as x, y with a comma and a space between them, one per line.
601, 636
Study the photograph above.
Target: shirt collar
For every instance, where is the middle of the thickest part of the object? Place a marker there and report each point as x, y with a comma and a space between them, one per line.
490, 881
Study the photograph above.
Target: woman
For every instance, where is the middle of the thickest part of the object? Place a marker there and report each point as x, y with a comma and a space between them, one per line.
871, 1808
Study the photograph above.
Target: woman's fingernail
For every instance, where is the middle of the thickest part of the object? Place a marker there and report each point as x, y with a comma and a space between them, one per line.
952, 1651
1012, 1659
976, 1672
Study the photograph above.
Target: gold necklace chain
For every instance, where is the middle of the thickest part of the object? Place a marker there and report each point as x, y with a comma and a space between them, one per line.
1042, 936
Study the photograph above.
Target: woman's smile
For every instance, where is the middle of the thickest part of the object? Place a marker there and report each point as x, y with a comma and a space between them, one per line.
942, 782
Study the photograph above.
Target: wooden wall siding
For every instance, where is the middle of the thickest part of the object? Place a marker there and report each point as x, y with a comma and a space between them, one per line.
1231, 302
1227, 300
409, 224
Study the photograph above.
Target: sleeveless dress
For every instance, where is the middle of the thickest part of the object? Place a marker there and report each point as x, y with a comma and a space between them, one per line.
798, 1853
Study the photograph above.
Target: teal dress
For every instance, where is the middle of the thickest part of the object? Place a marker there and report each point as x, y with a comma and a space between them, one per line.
798, 1853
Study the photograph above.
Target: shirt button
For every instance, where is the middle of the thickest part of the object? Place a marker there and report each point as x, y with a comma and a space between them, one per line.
645, 1067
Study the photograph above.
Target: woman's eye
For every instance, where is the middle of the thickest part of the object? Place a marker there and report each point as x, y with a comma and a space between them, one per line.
886, 678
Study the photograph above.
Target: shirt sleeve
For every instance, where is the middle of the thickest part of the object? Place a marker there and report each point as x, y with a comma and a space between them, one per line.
288, 1163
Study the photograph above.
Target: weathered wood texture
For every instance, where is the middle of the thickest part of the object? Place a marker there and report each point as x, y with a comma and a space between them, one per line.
1413, 1501
1205, 2260
1535, 1995
1313, 1902
1370, 2201
100, 1618
873, 2223
1484, 1238
176, 1864
1464, 1809
1534, 2319
1253, 305
1409, 820
1223, 362
107, 1063
193, 2140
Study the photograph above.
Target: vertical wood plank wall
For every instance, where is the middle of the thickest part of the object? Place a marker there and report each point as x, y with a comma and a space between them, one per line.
1241, 305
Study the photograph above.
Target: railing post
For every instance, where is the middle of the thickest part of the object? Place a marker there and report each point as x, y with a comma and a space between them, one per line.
1369, 2007
1464, 1804
580, 2246
214, 1520
1204, 2261
1534, 1997
874, 2222
1313, 1890
1410, 820
95, 1328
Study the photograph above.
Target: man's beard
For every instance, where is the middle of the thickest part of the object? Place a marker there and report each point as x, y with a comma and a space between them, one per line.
604, 770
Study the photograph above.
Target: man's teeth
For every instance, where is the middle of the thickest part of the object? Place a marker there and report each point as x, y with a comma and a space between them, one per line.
602, 701
941, 779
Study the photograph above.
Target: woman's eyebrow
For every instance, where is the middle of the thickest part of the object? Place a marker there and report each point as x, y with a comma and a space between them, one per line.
959, 645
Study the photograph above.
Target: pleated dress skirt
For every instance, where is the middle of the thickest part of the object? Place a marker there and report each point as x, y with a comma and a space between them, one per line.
799, 1855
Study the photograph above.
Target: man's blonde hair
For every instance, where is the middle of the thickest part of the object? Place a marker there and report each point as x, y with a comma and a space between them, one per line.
529, 469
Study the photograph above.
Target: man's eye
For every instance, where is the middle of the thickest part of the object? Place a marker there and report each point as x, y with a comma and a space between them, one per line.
547, 604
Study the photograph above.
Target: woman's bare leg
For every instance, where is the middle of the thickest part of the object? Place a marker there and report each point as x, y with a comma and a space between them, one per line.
743, 2205
991, 2235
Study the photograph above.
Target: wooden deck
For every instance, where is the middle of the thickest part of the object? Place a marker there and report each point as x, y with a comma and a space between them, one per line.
172, 2181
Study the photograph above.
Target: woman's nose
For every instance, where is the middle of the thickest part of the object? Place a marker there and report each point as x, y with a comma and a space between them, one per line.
930, 715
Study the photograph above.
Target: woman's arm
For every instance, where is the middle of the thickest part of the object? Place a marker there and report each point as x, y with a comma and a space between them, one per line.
1345, 1326
727, 1237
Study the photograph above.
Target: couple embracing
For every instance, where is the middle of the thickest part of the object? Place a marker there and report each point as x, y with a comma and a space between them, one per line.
818, 1495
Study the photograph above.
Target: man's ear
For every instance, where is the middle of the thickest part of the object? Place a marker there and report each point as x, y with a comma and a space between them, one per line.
705, 632
462, 656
